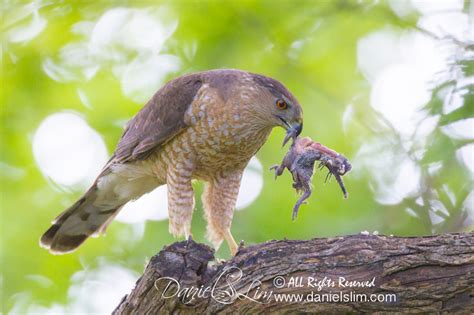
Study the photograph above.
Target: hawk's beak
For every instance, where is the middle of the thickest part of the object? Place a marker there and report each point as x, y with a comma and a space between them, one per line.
293, 130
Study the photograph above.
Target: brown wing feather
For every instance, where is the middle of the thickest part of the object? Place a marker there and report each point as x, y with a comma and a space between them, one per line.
160, 119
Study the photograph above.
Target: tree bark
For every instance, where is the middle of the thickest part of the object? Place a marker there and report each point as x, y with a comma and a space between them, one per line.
330, 275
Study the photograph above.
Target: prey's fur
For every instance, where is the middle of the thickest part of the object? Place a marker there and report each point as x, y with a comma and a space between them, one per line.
300, 160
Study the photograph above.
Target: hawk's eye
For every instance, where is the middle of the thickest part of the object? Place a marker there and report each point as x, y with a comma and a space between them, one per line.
281, 104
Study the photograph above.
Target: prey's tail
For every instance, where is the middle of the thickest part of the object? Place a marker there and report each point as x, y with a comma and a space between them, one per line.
83, 219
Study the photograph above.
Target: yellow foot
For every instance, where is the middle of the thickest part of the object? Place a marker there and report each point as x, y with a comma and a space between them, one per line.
231, 243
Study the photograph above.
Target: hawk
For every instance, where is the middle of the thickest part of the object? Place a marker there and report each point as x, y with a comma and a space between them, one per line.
203, 126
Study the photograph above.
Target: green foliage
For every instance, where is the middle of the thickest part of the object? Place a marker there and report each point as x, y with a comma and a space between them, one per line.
308, 45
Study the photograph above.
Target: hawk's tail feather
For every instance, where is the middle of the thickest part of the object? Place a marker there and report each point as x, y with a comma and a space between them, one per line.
72, 227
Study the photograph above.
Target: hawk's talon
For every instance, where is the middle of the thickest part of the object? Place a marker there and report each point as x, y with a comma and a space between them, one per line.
188, 239
241, 246
219, 260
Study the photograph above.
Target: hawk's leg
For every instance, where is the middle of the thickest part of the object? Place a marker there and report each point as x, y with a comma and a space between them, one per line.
219, 200
180, 201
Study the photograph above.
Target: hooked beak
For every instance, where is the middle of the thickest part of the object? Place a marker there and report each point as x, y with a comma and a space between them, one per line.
293, 130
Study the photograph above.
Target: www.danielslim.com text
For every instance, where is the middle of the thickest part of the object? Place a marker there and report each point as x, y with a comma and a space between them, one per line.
339, 297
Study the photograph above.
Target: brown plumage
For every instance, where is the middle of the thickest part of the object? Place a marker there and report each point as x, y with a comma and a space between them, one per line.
202, 126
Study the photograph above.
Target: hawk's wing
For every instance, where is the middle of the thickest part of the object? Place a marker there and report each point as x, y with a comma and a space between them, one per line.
159, 120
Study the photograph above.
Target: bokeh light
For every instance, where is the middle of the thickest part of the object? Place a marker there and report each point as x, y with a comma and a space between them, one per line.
386, 83
68, 150
252, 184
28, 23
91, 291
151, 206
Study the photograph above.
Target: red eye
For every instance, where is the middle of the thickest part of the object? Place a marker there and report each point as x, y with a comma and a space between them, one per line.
281, 104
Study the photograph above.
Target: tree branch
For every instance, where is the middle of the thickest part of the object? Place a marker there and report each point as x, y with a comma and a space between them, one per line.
410, 274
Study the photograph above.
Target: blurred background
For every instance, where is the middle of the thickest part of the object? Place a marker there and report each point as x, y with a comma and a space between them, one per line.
389, 84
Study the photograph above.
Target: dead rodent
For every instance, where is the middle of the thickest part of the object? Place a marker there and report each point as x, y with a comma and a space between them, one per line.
300, 159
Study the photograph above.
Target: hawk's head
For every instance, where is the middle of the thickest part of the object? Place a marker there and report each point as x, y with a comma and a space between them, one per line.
279, 106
